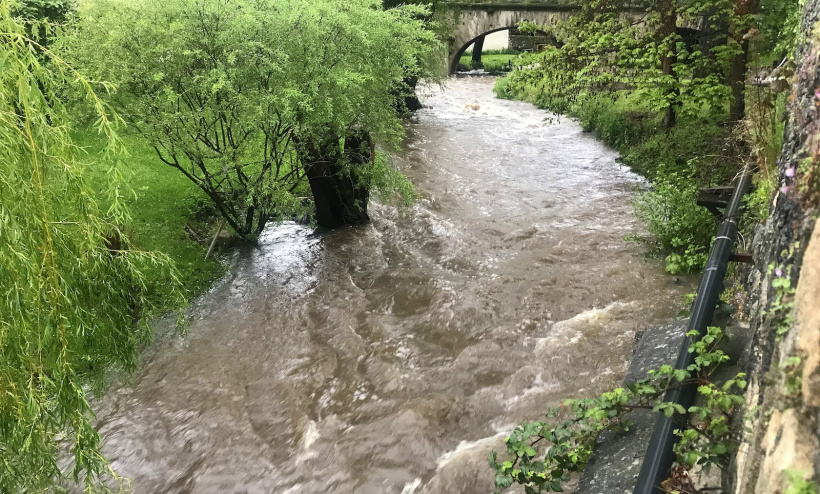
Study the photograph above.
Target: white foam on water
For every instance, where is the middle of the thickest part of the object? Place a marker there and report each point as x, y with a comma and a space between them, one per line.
538, 386
410, 487
570, 331
309, 438
466, 447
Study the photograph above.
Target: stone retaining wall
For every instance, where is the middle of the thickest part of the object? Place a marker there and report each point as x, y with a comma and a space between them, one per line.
779, 429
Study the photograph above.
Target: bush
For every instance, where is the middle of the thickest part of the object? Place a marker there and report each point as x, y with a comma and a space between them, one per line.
678, 225
503, 89
694, 150
617, 119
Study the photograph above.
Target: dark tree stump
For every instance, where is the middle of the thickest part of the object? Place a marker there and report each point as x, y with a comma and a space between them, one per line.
340, 181
406, 98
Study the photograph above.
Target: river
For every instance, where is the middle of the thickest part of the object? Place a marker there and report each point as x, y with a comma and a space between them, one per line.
392, 357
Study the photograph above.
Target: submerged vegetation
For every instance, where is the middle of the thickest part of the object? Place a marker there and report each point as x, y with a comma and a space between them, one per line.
259, 104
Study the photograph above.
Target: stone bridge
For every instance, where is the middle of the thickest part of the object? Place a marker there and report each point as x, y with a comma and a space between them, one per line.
470, 22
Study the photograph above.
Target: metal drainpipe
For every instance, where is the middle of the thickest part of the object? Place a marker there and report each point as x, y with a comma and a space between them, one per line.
659, 455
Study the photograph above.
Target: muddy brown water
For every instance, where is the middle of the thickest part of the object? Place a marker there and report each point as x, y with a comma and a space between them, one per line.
392, 357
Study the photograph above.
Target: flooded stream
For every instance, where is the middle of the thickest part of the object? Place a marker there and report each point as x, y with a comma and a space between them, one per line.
391, 358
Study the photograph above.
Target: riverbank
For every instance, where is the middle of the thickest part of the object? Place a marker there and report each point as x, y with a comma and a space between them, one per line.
169, 214
701, 150
405, 348
492, 61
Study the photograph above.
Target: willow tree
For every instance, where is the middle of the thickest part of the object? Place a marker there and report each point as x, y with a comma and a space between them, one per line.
37, 10
71, 291
355, 57
239, 95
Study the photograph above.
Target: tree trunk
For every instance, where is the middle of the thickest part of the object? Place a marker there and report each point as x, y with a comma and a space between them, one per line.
737, 70
339, 180
411, 101
669, 24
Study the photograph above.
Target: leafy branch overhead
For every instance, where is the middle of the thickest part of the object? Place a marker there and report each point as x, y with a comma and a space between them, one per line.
673, 52
71, 287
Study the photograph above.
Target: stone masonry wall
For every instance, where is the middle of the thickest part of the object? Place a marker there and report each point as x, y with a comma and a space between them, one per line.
781, 426
522, 41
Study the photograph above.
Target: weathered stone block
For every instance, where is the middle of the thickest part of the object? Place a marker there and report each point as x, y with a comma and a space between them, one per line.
614, 466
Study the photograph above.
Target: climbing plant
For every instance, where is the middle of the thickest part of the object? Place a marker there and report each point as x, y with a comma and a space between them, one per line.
73, 298
780, 311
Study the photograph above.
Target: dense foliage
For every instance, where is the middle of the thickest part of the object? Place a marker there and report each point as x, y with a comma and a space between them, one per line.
604, 49
50, 10
71, 289
242, 96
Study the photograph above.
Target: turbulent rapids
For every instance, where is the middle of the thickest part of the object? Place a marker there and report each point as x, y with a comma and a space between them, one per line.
391, 358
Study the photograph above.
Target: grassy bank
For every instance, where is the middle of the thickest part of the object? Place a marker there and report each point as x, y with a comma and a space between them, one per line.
163, 203
493, 62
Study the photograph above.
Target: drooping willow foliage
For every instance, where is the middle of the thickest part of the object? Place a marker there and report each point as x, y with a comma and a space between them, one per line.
72, 293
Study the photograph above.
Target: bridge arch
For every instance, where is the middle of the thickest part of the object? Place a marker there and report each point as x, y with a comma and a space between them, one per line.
474, 23
478, 45
469, 22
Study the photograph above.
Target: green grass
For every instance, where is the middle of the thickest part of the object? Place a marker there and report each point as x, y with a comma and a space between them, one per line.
502, 51
492, 62
164, 201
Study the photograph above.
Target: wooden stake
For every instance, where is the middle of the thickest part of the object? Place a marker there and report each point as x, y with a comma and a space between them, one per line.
213, 242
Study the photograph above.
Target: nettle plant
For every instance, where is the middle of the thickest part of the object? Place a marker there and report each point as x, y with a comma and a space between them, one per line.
542, 455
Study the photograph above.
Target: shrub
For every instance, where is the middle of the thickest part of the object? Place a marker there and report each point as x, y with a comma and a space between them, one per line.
617, 119
678, 225
694, 150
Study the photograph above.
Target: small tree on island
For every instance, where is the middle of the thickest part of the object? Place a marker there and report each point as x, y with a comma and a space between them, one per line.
235, 94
